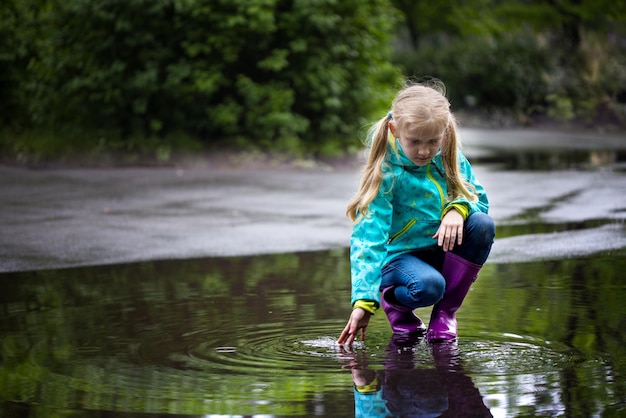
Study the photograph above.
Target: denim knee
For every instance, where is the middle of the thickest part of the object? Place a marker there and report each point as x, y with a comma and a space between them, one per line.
478, 237
480, 228
426, 291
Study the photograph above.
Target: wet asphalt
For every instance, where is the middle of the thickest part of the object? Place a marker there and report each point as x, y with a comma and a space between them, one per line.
553, 195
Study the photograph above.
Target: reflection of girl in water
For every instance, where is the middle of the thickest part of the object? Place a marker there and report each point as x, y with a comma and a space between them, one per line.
421, 231
404, 389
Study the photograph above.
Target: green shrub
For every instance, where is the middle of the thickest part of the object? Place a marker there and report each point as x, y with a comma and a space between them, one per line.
483, 73
292, 74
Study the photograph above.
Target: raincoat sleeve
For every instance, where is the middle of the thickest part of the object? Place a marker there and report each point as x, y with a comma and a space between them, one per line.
370, 403
368, 245
482, 204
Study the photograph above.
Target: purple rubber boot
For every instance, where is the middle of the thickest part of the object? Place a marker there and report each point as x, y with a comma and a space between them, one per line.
401, 318
459, 274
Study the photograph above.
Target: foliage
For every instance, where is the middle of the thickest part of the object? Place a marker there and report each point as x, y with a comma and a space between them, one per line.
563, 59
430, 21
15, 53
288, 74
137, 76
483, 74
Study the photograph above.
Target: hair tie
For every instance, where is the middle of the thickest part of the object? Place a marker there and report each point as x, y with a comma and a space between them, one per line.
389, 116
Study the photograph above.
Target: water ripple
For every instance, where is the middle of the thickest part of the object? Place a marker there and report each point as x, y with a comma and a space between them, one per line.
512, 354
269, 348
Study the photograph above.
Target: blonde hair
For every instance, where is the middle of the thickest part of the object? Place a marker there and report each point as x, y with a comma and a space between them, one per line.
425, 108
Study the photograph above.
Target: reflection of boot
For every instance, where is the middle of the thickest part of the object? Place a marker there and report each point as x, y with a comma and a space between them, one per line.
400, 353
411, 389
464, 398
446, 356
401, 318
459, 274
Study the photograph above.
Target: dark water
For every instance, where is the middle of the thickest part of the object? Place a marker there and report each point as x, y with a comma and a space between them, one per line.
553, 159
255, 337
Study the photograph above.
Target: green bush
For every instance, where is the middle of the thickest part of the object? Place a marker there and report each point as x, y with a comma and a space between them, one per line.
289, 74
482, 73
524, 74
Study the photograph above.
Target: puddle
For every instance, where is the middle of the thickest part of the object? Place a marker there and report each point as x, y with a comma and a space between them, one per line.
255, 336
524, 227
549, 159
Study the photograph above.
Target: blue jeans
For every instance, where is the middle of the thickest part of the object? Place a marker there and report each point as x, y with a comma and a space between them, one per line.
417, 277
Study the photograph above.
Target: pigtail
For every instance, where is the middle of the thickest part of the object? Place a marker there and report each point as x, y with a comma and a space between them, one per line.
457, 186
372, 175
426, 109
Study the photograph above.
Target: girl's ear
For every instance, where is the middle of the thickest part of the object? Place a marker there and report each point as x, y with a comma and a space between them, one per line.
392, 128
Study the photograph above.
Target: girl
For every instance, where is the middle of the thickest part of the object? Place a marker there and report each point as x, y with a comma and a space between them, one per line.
421, 231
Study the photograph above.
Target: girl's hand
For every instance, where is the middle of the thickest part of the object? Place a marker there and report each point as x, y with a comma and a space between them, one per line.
359, 319
450, 230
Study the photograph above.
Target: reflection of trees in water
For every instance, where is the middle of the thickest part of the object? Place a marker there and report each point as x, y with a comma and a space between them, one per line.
119, 337
98, 330
555, 159
576, 304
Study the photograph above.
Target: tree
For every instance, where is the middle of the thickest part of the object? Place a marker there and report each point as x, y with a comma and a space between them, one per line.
291, 74
564, 58
16, 52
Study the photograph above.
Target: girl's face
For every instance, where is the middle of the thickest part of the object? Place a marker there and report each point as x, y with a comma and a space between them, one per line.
418, 147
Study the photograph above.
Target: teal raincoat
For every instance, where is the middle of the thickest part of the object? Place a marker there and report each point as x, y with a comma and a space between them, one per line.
403, 217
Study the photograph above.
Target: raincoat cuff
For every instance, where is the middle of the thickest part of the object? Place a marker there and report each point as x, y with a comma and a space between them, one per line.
366, 305
462, 208
368, 388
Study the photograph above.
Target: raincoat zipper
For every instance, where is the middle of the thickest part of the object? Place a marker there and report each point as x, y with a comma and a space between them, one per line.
441, 195
402, 231
412, 221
